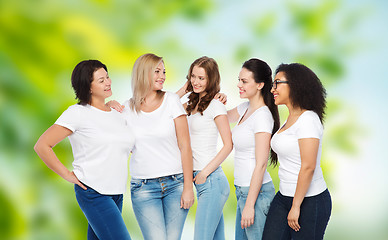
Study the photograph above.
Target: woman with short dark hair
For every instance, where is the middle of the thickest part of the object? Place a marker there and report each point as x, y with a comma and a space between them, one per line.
301, 209
101, 143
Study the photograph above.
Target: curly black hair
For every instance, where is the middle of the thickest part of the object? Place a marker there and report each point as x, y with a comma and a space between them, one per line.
82, 77
306, 90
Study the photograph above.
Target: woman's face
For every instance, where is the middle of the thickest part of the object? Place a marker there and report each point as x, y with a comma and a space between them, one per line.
100, 87
198, 80
159, 76
247, 86
282, 92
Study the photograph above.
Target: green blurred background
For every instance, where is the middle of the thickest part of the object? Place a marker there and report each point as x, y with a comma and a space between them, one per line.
343, 41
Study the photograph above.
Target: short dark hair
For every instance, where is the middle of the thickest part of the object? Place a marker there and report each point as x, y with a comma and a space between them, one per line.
82, 77
306, 90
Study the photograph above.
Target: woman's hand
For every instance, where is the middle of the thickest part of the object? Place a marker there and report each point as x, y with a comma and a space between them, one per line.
183, 90
293, 217
200, 178
221, 97
71, 177
247, 217
115, 105
187, 198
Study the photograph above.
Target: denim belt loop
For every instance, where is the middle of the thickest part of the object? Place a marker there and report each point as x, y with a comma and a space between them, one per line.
145, 181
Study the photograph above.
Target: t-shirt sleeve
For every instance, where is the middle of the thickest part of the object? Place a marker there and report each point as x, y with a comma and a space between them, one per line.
175, 105
126, 114
217, 108
309, 126
242, 107
70, 118
263, 122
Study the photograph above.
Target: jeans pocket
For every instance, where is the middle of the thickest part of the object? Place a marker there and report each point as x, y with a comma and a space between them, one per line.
136, 184
178, 177
265, 204
202, 184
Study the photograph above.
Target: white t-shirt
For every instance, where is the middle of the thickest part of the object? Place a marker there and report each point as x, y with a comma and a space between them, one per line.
204, 134
156, 153
285, 144
101, 143
243, 136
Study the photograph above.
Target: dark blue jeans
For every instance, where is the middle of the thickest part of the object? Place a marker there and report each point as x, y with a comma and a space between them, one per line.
315, 212
103, 213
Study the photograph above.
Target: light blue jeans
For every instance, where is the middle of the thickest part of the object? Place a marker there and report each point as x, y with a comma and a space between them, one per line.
156, 204
212, 196
263, 202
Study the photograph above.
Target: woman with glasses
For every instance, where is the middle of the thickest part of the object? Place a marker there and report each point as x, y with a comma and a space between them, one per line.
257, 120
301, 209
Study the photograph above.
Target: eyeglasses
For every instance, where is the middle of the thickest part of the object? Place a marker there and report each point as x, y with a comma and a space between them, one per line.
276, 82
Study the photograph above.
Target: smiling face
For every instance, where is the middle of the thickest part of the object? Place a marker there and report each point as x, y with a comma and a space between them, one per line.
198, 80
282, 92
159, 76
247, 85
100, 87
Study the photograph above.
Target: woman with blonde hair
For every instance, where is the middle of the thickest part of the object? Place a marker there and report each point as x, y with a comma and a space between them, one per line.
161, 164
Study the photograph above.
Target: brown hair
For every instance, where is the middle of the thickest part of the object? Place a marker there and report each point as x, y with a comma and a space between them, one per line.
212, 88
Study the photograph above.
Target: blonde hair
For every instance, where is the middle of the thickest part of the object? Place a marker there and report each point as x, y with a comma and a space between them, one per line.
142, 79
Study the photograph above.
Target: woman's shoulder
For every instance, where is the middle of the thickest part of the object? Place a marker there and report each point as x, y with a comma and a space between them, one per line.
309, 115
242, 107
263, 111
262, 114
126, 103
216, 104
170, 96
309, 123
76, 108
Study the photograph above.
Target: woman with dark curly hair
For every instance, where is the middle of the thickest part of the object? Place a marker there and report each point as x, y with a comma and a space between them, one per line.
302, 207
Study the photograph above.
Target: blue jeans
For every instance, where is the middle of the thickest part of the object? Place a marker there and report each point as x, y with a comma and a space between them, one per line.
314, 215
103, 213
156, 204
212, 196
263, 202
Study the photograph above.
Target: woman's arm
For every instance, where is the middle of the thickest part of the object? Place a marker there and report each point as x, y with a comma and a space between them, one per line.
182, 91
233, 115
44, 149
182, 133
115, 105
308, 154
226, 136
262, 147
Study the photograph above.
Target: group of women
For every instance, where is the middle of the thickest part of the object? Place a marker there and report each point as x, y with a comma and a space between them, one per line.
174, 145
